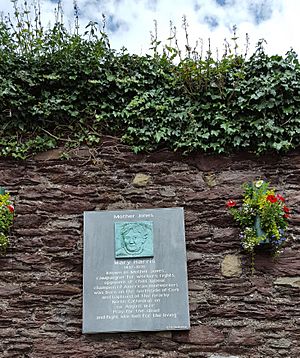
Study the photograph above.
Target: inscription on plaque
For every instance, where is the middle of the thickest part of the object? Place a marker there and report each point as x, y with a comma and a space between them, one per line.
135, 276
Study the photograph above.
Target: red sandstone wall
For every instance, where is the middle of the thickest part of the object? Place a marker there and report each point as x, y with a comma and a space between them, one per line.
233, 313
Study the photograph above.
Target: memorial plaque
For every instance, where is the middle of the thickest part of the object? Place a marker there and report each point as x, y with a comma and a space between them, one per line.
134, 271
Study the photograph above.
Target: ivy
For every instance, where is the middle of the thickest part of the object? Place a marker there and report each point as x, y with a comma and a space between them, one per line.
62, 88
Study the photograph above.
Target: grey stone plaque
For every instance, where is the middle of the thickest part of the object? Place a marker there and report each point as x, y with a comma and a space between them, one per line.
134, 271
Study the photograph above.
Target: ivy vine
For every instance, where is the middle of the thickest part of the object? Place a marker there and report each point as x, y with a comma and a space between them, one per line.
62, 88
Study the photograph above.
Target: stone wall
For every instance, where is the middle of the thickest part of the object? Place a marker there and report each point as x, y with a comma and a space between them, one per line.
233, 313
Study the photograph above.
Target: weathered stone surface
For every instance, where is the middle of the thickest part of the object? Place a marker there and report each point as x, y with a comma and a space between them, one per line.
231, 266
49, 155
10, 290
56, 289
241, 315
209, 163
141, 180
7, 332
167, 192
202, 334
288, 281
30, 219
222, 356
287, 264
33, 258
245, 337
200, 266
280, 343
238, 287
263, 285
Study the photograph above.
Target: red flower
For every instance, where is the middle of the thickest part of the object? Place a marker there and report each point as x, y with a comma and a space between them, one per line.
271, 198
280, 198
10, 208
286, 209
286, 216
230, 203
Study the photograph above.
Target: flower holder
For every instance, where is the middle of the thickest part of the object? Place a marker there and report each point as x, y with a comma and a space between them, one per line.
262, 218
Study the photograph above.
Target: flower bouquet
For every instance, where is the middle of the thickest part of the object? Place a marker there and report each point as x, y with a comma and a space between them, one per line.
6, 219
262, 217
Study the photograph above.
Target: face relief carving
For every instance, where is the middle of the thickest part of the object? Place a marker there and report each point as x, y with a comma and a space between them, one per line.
133, 239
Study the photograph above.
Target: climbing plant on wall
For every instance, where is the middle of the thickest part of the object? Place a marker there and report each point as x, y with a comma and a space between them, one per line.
59, 87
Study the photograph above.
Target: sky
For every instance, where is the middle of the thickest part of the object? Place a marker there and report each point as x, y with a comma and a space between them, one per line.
129, 23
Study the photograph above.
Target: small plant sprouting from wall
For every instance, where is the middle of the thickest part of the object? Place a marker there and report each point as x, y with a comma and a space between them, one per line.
59, 87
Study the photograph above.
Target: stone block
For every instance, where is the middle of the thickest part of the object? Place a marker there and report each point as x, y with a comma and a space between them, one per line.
231, 266
10, 290
202, 334
53, 154
141, 180
245, 337
288, 281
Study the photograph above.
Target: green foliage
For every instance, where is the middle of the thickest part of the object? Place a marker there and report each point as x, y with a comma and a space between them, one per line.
6, 219
62, 88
